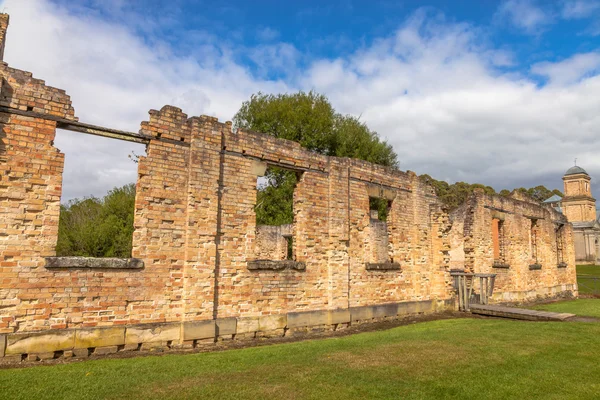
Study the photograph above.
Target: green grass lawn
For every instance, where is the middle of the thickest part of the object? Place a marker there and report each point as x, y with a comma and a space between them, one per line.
459, 358
581, 307
588, 279
592, 270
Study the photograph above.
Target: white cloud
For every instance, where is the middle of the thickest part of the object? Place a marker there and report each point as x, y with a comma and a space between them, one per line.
114, 78
570, 70
576, 9
432, 88
583, 9
278, 57
435, 95
525, 15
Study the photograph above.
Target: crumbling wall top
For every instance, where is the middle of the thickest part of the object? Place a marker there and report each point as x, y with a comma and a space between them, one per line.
21, 91
3, 27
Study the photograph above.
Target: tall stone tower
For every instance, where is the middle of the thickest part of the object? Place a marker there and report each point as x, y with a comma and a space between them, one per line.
578, 204
580, 208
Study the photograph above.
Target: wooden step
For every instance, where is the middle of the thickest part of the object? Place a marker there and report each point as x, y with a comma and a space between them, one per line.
518, 313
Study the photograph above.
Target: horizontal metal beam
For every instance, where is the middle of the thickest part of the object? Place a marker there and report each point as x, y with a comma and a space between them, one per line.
105, 132
66, 124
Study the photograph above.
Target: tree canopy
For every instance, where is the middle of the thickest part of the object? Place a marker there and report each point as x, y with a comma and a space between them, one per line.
93, 227
453, 195
309, 119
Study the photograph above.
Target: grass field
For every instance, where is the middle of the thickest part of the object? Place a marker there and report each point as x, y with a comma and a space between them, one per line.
459, 358
581, 307
592, 270
588, 279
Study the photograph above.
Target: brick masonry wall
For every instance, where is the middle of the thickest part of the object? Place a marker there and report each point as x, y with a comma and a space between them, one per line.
195, 231
517, 279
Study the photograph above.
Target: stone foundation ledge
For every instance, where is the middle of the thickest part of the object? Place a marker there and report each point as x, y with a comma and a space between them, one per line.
526, 296
81, 343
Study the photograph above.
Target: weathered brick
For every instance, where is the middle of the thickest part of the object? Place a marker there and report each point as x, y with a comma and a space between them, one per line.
195, 234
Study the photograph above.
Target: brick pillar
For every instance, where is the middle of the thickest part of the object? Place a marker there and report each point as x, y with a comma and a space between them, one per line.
30, 188
161, 207
441, 281
311, 213
339, 234
202, 219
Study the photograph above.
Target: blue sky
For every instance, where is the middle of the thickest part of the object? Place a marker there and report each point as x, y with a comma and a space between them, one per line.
504, 93
529, 31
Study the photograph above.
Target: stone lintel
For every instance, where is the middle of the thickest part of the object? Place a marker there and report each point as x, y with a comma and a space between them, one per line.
499, 215
391, 266
562, 265
259, 168
381, 192
500, 210
276, 265
502, 265
535, 266
94, 262
533, 217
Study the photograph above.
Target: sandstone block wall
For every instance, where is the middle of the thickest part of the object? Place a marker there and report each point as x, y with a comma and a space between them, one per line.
536, 256
204, 273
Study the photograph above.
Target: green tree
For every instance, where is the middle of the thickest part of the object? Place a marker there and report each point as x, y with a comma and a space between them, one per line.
309, 119
540, 193
93, 227
453, 195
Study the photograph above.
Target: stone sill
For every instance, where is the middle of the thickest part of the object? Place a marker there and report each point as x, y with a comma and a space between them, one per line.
279, 265
535, 267
94, 263
382, 266
562, 265
500, 265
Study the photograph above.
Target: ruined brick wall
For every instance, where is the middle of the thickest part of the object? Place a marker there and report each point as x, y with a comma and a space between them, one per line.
195, 230
30, 188
208, 269
537, 256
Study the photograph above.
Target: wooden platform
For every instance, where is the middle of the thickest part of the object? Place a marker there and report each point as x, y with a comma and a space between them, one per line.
518, 313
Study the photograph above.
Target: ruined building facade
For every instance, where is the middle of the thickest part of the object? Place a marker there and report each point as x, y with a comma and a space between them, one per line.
579, 207
203, 270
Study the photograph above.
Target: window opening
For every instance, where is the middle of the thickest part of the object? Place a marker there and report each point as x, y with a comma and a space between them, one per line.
498, 241
98, 195
559, 245
379, 236
275, 214
533, 237
289, 247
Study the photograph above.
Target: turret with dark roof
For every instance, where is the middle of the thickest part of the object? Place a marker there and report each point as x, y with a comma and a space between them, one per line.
575, 170
578, 204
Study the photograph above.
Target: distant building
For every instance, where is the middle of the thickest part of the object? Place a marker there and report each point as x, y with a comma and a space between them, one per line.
579, 207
